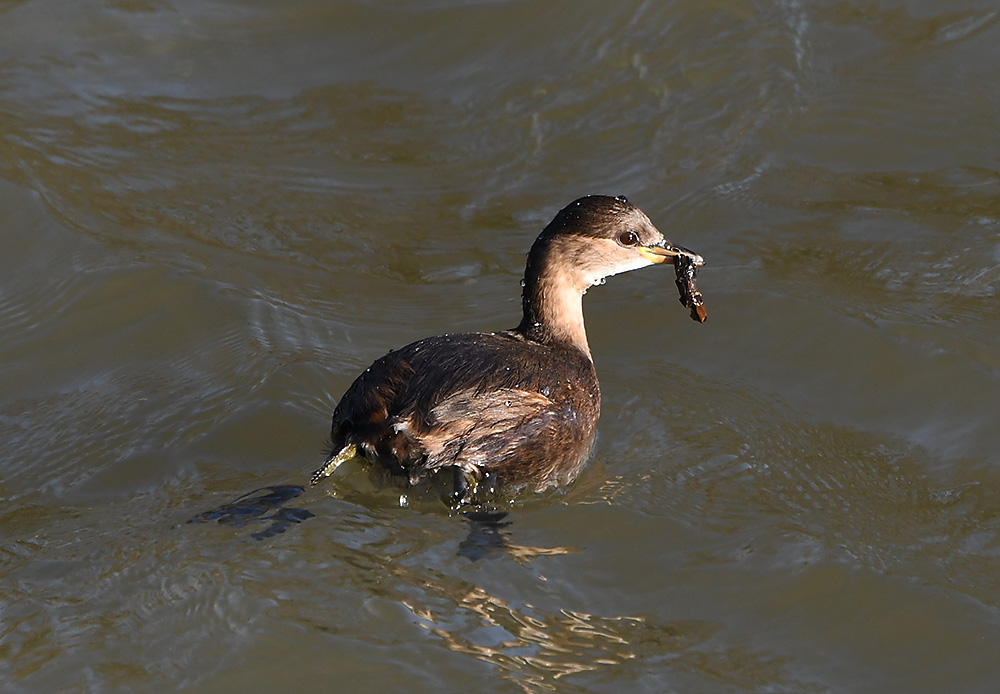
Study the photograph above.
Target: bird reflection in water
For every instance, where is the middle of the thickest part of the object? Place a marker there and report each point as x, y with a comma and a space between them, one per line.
487, 539
268, 507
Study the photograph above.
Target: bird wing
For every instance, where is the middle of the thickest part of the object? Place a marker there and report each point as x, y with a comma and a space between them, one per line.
480, 430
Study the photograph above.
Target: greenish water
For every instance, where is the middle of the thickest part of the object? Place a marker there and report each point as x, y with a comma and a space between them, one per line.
215, 215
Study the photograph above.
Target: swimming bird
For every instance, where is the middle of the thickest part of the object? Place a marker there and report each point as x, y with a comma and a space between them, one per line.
517, 407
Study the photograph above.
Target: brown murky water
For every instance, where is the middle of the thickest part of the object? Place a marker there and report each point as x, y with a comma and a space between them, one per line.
215, 214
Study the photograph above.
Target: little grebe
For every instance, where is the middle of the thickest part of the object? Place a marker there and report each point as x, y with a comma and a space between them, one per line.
518, 406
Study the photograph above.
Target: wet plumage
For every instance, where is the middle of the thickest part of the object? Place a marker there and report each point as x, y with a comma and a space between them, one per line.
521, 405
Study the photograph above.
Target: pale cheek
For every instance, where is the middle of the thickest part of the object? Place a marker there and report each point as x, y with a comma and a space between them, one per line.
594, 276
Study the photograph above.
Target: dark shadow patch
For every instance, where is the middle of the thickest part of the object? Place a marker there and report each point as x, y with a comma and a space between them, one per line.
264, 505
486, 539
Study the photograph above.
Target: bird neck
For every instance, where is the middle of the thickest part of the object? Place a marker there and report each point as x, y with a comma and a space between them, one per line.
552, 300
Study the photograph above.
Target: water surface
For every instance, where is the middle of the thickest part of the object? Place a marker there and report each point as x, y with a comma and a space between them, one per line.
216, 214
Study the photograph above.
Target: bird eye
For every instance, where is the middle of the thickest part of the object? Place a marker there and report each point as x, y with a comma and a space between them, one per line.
628, 238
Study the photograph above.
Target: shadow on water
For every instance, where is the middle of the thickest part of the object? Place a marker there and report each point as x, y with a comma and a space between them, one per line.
264, 505
485, 539
268, 506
